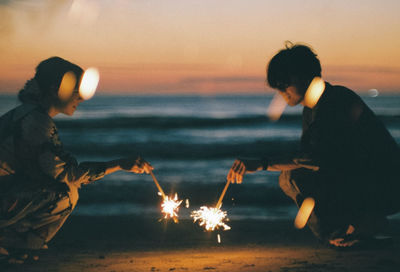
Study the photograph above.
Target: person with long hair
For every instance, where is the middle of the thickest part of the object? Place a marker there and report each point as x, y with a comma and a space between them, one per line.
39, 180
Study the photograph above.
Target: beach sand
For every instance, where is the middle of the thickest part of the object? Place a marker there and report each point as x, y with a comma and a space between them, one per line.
127, 243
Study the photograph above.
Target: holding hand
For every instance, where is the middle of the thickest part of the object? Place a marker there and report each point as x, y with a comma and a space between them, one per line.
243, 166
136, 165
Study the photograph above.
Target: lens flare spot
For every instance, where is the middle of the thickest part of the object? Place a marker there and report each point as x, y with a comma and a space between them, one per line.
276, 107
89, 83
84, 12
373, 93
304, 212
67, 86
314, 92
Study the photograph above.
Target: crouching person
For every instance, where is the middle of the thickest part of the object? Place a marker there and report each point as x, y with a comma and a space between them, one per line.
39, 180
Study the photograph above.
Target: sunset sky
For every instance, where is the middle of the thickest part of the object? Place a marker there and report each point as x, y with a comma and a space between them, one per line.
203, 46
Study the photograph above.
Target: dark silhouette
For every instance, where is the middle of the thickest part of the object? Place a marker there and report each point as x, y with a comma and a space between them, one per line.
39, 181
348, 160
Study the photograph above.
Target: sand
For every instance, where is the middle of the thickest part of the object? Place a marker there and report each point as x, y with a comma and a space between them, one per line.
126, 243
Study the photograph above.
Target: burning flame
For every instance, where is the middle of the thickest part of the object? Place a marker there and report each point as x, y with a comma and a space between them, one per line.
211, 218
88, 86
170, 207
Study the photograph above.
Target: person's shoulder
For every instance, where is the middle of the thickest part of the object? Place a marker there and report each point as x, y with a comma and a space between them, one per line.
37, 123
342, 91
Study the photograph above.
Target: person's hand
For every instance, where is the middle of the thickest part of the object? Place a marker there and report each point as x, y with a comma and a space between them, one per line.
241, 167
137, 165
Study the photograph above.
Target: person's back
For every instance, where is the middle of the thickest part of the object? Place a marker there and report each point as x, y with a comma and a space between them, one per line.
356, 153
9, 126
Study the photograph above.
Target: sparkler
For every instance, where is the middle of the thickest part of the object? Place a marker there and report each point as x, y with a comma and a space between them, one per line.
170, 206
212, 217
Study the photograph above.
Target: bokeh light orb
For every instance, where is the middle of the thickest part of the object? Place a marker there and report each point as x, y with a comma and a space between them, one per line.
67, 86
88, 86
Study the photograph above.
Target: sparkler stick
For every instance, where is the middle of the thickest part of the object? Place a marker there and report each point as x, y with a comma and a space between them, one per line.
219, 203
157, 184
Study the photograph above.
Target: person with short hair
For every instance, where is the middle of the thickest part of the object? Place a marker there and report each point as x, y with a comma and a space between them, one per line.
347, 162
39, 180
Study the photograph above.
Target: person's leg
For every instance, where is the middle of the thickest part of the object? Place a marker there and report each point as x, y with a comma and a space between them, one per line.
299, 185
290, 188
36, 229
48, 222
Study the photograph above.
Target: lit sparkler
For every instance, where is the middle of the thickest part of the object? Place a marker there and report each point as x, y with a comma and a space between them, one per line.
170, 206
212, 217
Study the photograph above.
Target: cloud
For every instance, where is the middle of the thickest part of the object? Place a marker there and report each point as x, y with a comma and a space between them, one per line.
5, 2
158, 67
222, 84
362, 69
223, 79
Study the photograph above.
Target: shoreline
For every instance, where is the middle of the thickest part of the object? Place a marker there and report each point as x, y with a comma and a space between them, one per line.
127, 243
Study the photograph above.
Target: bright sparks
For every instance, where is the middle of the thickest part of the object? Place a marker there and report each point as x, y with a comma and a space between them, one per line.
89, 83
170, 207
211, 218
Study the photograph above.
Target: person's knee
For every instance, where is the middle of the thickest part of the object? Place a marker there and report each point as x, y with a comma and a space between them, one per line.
288, 185
73, 196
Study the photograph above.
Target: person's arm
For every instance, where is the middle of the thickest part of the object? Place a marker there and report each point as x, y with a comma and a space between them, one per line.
244, 166
48, 159
66, 169
134, 164
291, 164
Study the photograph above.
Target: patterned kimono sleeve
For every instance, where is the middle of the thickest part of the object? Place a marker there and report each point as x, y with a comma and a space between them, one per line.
53, 161
63, 167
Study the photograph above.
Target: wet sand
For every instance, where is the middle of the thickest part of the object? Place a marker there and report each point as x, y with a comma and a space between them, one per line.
126, 243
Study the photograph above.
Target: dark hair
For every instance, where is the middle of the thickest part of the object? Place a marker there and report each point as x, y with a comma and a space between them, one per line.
295, 65
43, 87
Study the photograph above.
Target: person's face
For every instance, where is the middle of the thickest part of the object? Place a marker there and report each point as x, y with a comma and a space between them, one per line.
70, 106
291, 95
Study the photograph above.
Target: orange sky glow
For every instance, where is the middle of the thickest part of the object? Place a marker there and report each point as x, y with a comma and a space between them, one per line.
205, 47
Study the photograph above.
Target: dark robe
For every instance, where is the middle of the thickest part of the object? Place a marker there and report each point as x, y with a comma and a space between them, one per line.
357, 161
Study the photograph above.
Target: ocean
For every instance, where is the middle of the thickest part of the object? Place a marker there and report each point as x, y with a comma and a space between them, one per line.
191, 141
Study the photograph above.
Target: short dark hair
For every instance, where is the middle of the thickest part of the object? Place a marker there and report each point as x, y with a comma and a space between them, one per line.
48, 77
295, 65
